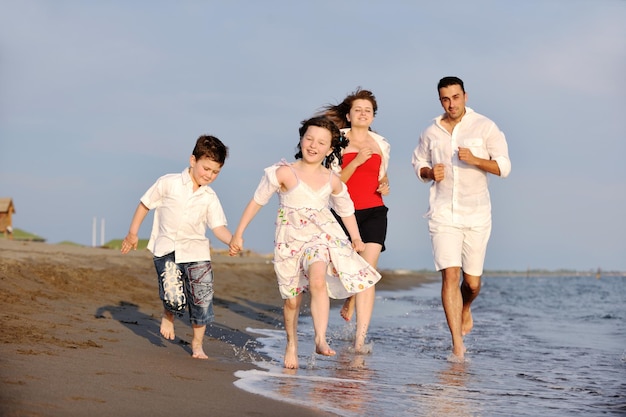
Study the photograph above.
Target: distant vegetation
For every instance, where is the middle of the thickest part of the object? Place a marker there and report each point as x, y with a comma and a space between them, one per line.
19, 234
117, 244
68, 243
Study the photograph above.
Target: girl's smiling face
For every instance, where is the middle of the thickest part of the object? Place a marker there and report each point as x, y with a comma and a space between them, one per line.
315, 144
361, 113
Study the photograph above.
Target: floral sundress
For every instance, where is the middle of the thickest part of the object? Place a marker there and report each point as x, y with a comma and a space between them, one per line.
307, 231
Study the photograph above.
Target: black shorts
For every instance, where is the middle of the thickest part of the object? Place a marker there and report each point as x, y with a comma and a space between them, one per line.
372, 224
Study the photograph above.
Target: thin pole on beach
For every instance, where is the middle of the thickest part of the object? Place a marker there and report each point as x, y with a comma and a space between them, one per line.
102, 232
93, 232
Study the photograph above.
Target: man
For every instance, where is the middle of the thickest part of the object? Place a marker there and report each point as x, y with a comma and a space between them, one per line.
457, 152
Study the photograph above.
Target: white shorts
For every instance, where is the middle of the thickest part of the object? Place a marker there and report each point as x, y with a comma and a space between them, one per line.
460, 246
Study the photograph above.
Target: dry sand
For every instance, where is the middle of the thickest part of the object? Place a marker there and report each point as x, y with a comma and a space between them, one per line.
80, 336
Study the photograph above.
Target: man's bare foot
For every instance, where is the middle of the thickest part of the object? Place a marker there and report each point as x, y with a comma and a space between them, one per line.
167, 326
455, 359
458, 354
467, 322
197, 352
291, 356
458, 351
322, 348
347, 309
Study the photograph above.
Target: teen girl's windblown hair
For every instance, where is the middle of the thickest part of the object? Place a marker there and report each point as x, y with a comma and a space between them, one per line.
338, 112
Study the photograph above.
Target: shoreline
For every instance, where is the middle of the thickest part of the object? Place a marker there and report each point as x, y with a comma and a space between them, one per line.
81, 335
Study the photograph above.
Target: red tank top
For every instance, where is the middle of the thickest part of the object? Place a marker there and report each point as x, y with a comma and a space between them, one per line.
363, 183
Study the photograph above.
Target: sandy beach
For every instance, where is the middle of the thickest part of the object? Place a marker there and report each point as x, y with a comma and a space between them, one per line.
80, 335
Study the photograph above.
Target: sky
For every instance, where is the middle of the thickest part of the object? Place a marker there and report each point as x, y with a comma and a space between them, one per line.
99, 99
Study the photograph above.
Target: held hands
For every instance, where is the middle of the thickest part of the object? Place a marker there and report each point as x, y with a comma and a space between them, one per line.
129, 242
235, 246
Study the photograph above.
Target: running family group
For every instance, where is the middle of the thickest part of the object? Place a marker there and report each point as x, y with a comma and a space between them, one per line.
331, 223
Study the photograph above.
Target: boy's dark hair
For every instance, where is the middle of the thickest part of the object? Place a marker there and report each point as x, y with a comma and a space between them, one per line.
210, 147
338, 141
448, 81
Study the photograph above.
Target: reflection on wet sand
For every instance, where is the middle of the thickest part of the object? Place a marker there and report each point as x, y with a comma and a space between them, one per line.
450, 397
343, 388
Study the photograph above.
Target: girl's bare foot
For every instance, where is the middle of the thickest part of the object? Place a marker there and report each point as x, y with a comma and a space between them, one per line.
358, 362
167, 326
467, 322
291, 356
322, 348
363, 349
347, 309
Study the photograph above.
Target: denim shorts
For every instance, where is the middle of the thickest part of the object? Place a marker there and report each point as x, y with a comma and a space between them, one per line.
186, 286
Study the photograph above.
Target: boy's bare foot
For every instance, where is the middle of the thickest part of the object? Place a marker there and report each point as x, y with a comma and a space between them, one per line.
347, 309
167, 326
467, 322
196, 343
291, 356
323, 349
197, 352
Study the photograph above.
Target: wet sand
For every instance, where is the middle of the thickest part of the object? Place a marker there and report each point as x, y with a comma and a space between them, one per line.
80, 335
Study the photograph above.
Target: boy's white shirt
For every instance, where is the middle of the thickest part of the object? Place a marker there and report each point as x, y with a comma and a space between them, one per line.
181, 217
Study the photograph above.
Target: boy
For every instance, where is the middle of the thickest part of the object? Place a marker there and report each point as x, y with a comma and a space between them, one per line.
184, 206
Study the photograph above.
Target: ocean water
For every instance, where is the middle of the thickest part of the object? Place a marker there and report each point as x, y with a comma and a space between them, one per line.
541, 346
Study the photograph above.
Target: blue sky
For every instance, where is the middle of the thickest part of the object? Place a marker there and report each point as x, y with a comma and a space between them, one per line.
98, 99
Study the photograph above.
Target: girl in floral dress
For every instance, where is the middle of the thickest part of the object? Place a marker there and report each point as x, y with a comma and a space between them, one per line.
311, 251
